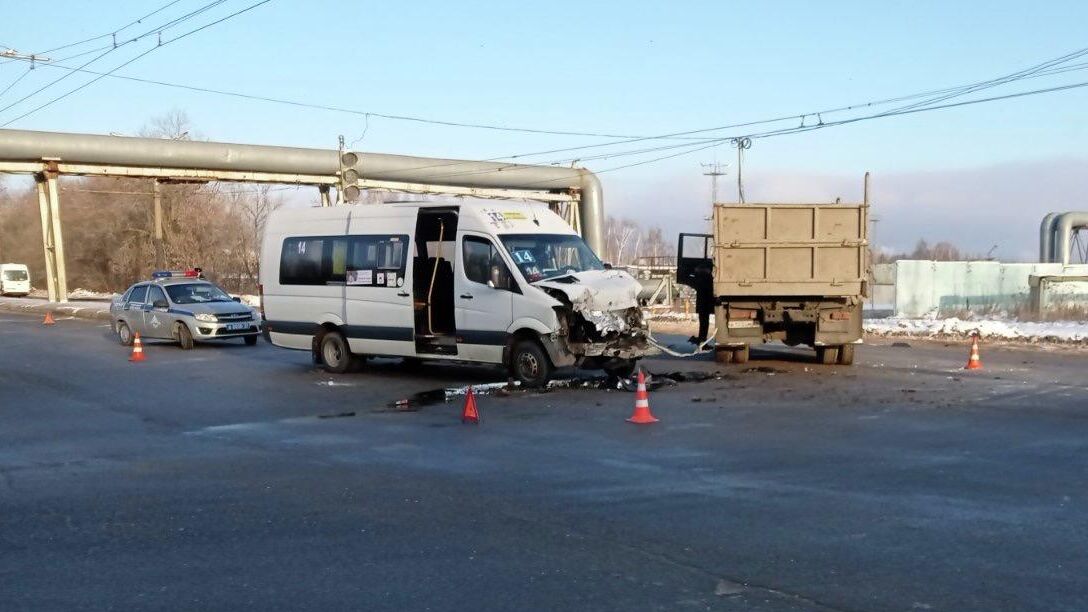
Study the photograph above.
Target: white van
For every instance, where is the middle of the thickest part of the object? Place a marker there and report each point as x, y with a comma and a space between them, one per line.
502, 283
14, 279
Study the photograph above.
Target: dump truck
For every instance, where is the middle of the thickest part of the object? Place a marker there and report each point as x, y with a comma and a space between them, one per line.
797, 273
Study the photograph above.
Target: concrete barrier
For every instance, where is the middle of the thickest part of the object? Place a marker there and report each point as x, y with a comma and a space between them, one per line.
945, 287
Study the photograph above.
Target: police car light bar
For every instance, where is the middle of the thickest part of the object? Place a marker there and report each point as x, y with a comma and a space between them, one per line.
190, 273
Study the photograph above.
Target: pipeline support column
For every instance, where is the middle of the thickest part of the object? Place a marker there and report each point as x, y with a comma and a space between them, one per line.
52, 238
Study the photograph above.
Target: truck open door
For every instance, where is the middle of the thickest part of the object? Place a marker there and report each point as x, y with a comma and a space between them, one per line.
693, 250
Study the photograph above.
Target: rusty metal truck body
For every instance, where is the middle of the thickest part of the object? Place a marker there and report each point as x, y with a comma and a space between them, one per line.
790, 272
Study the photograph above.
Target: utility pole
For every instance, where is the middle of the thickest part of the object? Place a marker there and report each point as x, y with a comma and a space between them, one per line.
157, 235
713, 171
741, 144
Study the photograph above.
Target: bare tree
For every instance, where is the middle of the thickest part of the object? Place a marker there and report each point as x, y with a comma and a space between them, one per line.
253, 206
173, 125
626, 241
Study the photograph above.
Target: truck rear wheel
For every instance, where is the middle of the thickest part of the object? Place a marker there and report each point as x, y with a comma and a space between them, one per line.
846, 354
827, 355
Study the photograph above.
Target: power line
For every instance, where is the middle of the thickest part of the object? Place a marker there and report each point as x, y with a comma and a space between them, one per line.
685, 135
718, 140
115, 44
110, 49
798, 130
1046, 69
1002, 80
113, 32
690, 148
340, 109
100, 77
16, 81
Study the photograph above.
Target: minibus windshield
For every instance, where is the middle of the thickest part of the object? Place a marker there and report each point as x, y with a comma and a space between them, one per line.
544, 256
15, 275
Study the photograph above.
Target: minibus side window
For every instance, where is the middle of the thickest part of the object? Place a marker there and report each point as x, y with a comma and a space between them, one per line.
483, 264
377, 261
338, 261
301, 261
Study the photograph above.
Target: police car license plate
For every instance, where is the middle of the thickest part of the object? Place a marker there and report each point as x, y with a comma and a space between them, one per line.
237, 326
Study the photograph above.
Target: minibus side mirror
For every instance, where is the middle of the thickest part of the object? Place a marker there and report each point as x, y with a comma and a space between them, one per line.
607, 266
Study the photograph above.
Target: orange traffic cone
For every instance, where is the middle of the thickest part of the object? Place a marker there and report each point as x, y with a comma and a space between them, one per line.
642, 414
137, 349
48, 320
974, 362
469, 414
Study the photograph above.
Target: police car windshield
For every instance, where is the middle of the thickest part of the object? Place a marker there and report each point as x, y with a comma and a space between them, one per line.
544, 256
196, 293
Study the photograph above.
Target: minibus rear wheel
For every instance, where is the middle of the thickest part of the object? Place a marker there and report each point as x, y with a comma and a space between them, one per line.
529, 364
335, 354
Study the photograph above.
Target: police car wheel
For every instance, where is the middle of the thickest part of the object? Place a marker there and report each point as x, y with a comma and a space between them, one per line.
184, 336
124, 334
335, 354
529, 364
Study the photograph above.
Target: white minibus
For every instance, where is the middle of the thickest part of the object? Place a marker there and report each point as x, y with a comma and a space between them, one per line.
14, 279
488, 282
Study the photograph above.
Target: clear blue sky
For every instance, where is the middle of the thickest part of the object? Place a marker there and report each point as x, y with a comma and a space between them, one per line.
624, 67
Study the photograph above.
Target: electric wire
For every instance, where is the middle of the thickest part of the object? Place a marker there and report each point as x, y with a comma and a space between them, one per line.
130, 61
16, 81
627, 139
112, 33
797, 130
1047, 68
110, 49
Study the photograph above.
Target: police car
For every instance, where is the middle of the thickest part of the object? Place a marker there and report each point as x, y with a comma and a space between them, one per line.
183, 307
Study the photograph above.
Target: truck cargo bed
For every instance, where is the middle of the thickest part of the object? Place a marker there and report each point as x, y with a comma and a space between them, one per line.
790, 249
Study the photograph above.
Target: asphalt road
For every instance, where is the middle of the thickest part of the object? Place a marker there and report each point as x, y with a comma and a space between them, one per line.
210, 480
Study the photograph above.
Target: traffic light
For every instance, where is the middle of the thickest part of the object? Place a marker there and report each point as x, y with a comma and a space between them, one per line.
349, 176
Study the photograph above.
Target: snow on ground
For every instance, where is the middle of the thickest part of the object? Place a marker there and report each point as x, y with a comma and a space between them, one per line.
1022, 331
996, 328
76, 294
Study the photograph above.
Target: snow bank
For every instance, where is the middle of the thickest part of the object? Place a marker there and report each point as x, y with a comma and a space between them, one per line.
1024, 331
671, 315
86, 294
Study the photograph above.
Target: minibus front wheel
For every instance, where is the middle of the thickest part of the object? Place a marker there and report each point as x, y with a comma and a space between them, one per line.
529, 364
